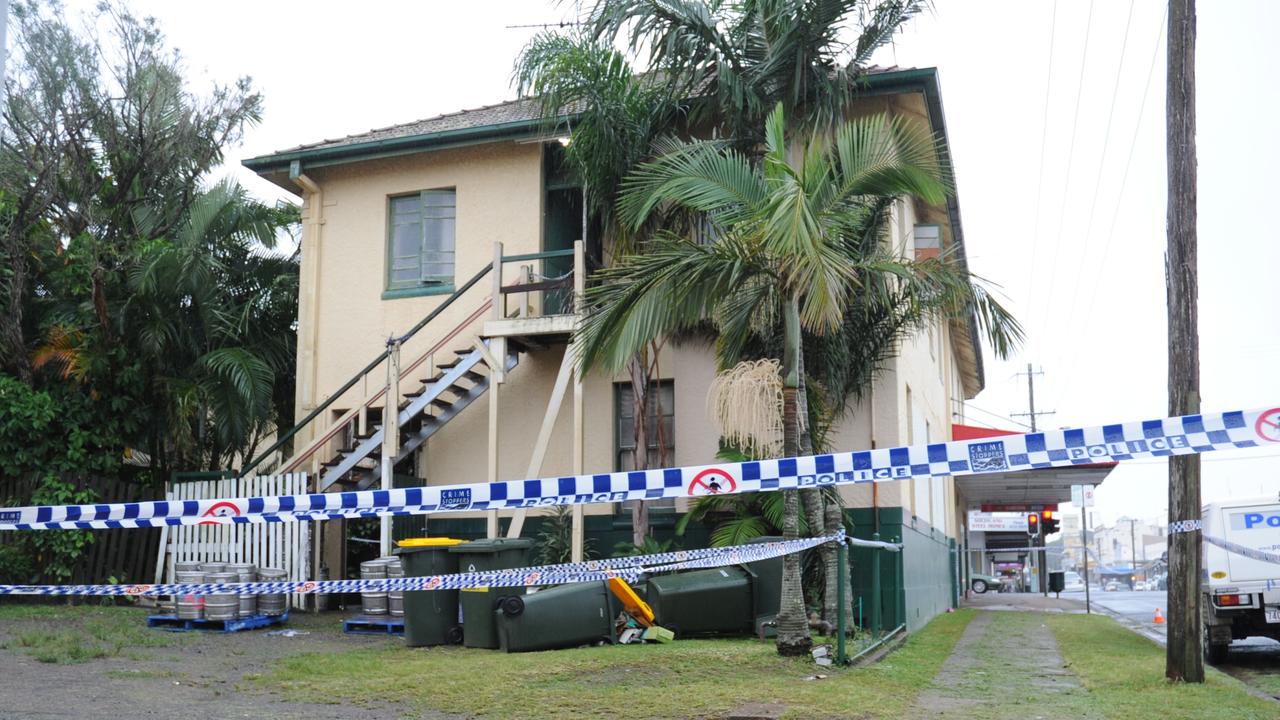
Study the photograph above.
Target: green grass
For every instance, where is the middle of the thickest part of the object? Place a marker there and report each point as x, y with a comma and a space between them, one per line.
80, 634
1124, 674
682, 679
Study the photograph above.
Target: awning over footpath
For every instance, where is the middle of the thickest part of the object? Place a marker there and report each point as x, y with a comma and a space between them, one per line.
1047, 486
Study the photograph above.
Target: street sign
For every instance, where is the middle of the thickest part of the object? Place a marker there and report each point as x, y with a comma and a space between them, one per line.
1082, 495
993, 522
1018, 507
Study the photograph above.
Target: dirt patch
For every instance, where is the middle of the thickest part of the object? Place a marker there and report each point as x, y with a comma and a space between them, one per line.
157, 674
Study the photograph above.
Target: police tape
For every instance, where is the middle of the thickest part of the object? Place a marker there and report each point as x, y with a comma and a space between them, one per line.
630, 569
1053, 448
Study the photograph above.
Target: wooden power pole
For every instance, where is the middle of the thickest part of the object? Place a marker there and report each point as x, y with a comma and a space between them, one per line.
1183, 660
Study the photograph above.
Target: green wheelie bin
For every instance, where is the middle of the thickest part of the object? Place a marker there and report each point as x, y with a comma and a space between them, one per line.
479, 604
559, 617
430, 616
703, 602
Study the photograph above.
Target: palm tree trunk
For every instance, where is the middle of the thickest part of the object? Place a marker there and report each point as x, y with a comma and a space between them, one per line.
639, 371
793, 625
812, 500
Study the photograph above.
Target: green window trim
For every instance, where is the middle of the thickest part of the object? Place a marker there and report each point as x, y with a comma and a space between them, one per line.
421, 243
409, 292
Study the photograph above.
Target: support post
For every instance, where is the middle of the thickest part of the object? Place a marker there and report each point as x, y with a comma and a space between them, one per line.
875, 588
1183, 659
1084, 544
842, 579
499, 352
579, 427
390, 434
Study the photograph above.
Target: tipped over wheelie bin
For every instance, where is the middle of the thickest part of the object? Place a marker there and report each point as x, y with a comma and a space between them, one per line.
478, 604
733, 599
559, 617
430, 616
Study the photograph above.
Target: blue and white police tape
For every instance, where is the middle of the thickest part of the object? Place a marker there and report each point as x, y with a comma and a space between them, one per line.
1238, 549
1053, 448
627, 568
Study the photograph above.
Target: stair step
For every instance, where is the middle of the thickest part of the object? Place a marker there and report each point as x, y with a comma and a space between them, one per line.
464, 352
346, 450
442, 404
471, 375
449, 365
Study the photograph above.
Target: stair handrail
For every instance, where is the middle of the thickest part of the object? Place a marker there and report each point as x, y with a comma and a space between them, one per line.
333, 397
293, 462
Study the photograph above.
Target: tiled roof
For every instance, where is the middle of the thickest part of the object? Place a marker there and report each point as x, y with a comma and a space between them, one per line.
522, 110
512, 111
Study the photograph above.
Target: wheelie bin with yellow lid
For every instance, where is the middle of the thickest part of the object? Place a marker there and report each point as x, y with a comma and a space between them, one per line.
430, 616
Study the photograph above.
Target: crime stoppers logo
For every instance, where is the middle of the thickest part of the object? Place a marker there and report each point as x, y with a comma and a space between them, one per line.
222, 508
1268, 425
987, 457
712, 481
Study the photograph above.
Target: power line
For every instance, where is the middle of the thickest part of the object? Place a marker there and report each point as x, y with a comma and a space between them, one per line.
998, 416
1044, 143
1102, 163
1124, 181
1071, 156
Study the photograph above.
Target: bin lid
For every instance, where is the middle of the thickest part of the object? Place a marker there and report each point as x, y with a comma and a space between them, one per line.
492, 545
429, 542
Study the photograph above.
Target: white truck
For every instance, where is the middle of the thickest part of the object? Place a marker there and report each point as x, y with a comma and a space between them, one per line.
1240, 595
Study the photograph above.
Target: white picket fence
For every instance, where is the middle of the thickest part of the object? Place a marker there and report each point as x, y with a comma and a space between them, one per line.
285, 546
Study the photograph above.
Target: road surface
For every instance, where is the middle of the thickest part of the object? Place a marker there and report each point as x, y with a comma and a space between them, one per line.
1139, 609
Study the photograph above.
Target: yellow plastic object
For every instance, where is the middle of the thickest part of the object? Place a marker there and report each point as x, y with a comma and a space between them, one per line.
634, 606
429, 542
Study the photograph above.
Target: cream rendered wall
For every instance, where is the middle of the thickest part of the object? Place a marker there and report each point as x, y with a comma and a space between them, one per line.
921, 365
458, 452
499, 198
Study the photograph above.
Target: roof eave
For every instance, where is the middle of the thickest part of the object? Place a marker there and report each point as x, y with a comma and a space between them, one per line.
389, 147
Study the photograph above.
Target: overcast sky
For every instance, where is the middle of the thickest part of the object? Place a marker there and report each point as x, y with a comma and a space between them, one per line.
1075, 243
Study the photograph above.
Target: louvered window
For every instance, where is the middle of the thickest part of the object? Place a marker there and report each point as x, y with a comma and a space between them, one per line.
421, 239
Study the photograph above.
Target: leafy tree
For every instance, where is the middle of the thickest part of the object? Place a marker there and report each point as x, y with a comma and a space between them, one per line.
126, 276
791, 244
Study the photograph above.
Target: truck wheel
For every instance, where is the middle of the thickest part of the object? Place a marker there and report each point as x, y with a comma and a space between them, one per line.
1214, 654
980, 586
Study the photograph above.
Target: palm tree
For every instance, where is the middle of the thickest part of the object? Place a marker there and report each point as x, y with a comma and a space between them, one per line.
735, 60
741, 58
588, 90
788, 244
211, 314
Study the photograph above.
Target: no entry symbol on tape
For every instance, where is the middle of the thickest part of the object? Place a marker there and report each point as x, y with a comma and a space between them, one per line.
1268, 425
712, 481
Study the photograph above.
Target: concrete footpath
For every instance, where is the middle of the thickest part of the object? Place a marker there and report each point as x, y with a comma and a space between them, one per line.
1006, 665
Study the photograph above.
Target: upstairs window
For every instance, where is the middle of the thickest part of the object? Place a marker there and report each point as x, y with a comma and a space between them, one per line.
420, 240
660, 427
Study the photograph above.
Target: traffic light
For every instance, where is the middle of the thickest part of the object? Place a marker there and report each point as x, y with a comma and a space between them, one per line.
1033, 525
1049, 524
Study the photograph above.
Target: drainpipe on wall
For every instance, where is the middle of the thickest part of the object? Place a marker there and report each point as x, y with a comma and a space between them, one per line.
875, 487
308, 312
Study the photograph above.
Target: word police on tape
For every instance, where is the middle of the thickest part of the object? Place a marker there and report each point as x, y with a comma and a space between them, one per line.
1054, 448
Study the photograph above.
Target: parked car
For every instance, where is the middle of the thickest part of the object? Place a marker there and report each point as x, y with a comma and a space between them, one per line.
982, 583
1072, 582
1140, 585
1111, 586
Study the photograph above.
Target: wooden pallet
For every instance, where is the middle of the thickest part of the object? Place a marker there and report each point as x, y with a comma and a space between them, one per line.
374, 625
174, 623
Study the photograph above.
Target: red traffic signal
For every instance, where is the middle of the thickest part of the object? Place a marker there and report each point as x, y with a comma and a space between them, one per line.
1049, 524
1033, 525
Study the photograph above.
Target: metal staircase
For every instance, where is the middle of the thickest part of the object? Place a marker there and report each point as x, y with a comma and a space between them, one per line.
455, 385
347, 452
